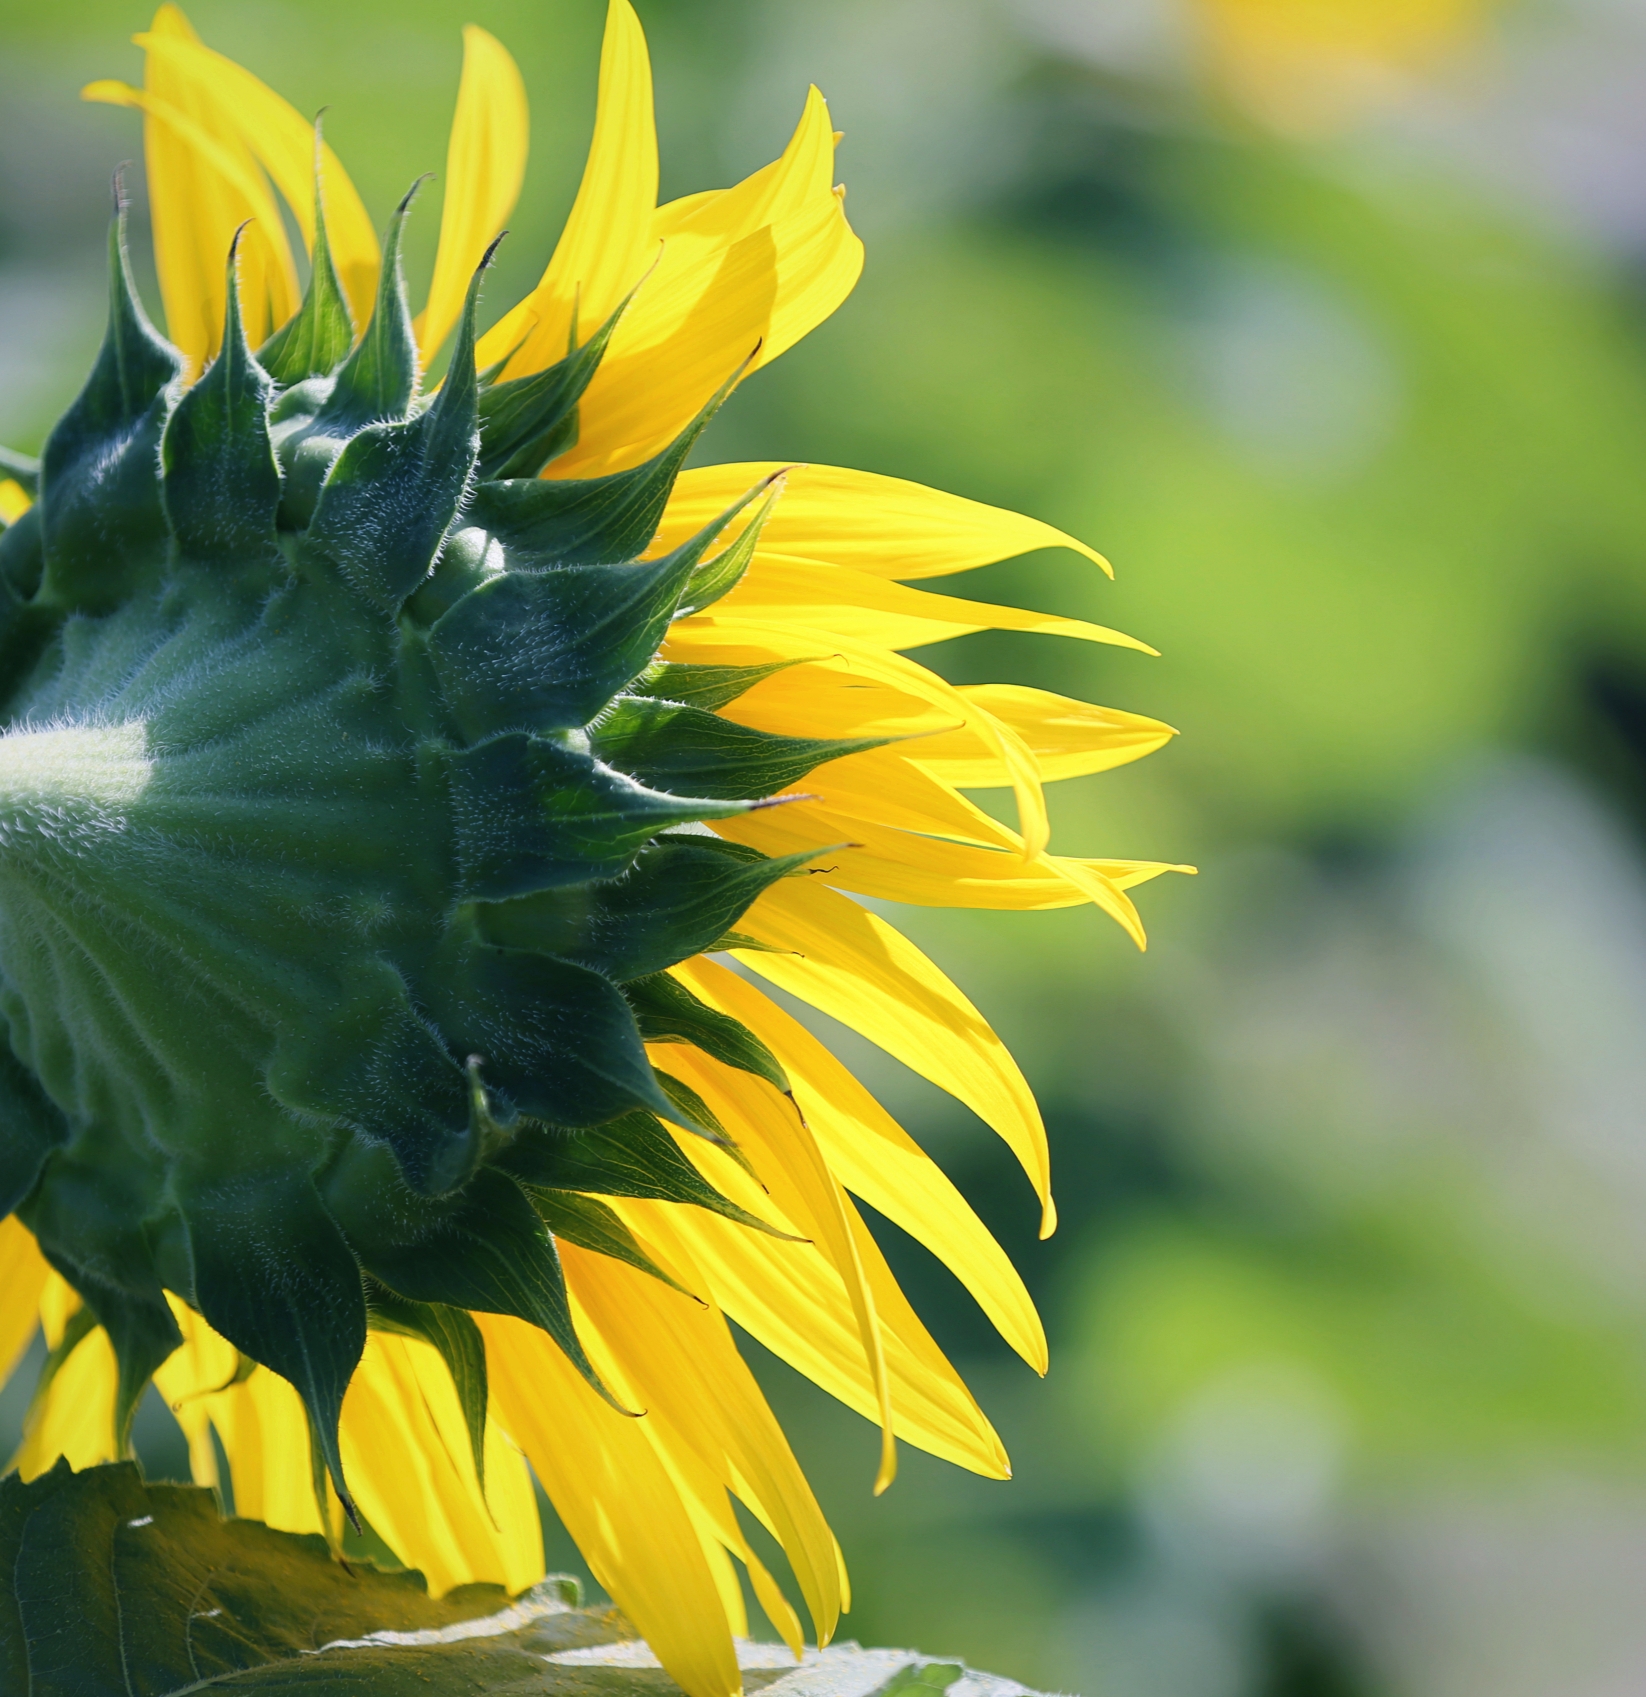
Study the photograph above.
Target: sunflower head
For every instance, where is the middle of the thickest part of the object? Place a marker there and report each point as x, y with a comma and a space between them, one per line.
380, 762
351, 826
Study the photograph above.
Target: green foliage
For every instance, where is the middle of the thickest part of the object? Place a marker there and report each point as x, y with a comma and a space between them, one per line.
115, 1588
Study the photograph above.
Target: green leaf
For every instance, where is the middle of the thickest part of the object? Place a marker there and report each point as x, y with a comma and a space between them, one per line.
221, 483
681, 894
667, 1012
690, 752
593, 1226
920, 1677
113, 1588
631, 1156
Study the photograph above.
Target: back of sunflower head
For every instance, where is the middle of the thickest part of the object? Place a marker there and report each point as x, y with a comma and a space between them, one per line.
329, 844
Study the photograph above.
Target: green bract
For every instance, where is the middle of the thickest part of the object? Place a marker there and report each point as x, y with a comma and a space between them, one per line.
347, 825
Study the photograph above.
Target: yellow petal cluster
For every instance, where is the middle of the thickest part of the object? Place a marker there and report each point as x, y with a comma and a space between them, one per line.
715, 284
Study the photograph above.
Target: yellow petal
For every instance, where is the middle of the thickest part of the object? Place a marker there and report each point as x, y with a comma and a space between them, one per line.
880, 525
877, 1160
202, 187
232, 104
699, 638
407, 1456
901, 866
850, 963
878, 610
15, 500
607, 242
785, 1154
265, 1435
23, 1275
618, 1501
679, 1359
202, 1365
485, 165
791, 1299
740, 276
73, 1416
1070, 739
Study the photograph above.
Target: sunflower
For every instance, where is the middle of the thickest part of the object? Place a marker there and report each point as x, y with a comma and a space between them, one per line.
404, 797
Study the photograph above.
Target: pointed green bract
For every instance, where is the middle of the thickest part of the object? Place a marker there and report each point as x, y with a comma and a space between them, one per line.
591, 1225
315, 342
281, 1283
677, 748
708, 687
348, 825
378, 381
633, 1156
220, 480
527, 422
490, 1252
667, 1012
102, 517
675, 901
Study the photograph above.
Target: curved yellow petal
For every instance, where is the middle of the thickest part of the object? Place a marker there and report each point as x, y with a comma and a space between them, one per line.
73, 1412
607, 242
1069, 739
739, 277
880, 610
265, 1435
485, 165
202, 187
683, 1368
15, 500
201, 1366
877, 1160
785, 1154
884, 526
850, 963
407, 1456
700, 636
901, 866
792, 1300
231, 103
618, 1501
23, 1275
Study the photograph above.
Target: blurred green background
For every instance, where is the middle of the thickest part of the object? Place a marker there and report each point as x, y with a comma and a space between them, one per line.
1323, 318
